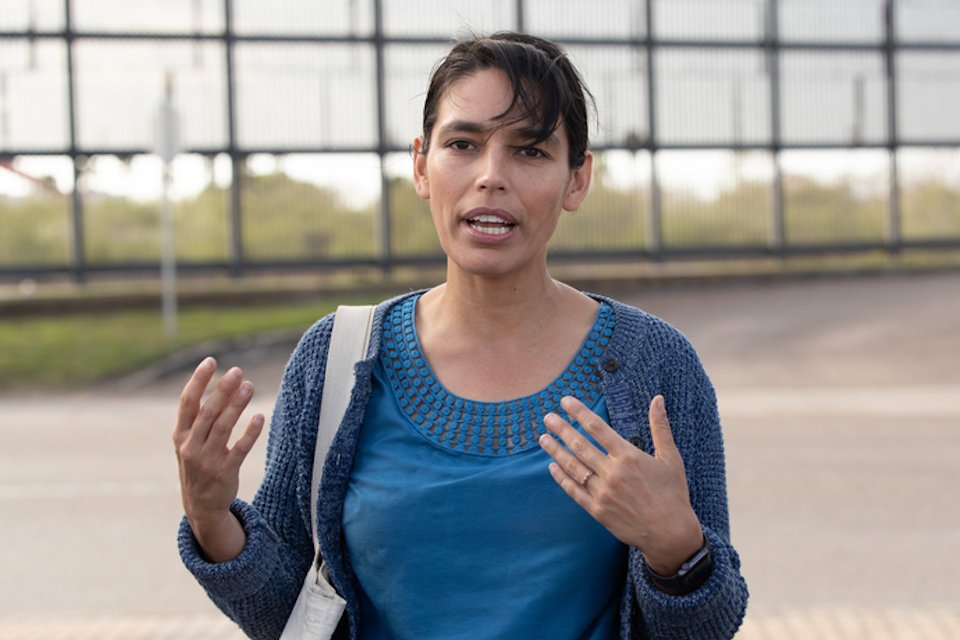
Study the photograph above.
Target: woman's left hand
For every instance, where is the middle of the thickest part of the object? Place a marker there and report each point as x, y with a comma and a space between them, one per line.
641, 499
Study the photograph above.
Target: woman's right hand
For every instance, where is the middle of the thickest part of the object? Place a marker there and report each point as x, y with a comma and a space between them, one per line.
209, 467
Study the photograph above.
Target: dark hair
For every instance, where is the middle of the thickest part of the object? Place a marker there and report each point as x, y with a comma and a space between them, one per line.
547, 88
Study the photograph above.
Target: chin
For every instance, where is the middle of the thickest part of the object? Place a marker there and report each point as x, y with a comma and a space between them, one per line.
485, 268
491, 266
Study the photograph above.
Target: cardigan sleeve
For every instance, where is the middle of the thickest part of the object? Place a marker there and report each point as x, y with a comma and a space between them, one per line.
715, 610
258, 588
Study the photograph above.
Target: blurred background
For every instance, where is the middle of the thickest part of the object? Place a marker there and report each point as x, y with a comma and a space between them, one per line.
778, 178
736, 128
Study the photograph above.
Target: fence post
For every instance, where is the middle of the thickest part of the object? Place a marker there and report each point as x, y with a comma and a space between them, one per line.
384, 244
894, 222
655, 229
237, 260
778, 233
78, 257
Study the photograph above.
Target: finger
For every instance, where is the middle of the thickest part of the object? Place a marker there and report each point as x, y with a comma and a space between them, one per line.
191, 395
593, 424
569, 463
223, 425
581, 450
244, 444
571, 487
660, 431
212, 407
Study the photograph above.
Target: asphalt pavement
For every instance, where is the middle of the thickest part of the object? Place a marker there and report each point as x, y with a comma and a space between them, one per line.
840, 400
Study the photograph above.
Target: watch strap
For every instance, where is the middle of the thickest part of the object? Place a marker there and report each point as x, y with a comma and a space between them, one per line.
689, 577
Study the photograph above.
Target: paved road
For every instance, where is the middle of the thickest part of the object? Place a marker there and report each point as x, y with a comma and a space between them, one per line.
841, 408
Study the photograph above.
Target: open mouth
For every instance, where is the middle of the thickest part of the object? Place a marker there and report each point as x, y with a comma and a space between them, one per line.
490, 224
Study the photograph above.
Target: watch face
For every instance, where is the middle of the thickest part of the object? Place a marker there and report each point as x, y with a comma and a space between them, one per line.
693, 562
690, 577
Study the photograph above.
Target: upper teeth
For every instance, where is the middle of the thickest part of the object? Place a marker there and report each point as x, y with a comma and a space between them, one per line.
486, 217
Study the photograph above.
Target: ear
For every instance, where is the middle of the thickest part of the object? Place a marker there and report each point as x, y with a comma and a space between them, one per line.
579, 185
420, 181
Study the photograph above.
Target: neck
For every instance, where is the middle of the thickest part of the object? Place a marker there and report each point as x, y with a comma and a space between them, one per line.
495, 308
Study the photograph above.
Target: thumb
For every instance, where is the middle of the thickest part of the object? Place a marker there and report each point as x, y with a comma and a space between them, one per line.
660, 432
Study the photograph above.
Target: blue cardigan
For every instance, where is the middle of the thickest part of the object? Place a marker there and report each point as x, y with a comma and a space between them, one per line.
645, 356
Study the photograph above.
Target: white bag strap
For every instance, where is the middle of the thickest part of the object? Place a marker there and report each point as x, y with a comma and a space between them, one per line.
348, 345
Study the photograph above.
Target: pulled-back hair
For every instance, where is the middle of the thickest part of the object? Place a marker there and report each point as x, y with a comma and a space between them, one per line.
547, 88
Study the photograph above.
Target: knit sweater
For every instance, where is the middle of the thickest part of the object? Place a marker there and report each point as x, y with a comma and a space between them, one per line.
645, 357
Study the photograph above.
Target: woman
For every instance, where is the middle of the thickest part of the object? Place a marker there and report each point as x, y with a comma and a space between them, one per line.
506, 468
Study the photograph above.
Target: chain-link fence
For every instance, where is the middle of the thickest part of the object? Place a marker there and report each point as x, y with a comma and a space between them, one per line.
724, 128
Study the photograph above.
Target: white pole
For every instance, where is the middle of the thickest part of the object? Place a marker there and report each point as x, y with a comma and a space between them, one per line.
168, 142
168, 265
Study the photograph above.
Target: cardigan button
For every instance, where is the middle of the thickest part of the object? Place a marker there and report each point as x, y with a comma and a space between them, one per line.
611, 365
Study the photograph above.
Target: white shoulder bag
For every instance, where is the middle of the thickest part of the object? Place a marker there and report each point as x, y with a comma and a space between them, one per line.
318, 609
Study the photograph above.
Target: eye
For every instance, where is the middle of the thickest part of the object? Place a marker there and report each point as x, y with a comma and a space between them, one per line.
532, 152
460, 145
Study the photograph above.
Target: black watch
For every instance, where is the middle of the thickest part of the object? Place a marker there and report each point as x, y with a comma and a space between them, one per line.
689, 577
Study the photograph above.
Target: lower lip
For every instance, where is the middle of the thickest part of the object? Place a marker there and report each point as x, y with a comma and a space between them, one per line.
488, 238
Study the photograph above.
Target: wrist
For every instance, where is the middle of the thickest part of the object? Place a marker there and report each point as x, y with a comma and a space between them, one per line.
666, 558
202, 520
689, 576
220, 536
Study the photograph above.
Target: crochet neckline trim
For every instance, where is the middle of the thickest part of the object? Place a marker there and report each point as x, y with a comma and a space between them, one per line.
483, 428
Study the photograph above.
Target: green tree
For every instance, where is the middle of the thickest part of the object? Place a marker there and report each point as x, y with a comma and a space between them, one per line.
831, 213
412, 230
285, 218
35, 230
931, 211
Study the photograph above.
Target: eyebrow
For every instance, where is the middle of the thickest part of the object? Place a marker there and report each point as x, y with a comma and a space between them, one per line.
464, 126
469, 126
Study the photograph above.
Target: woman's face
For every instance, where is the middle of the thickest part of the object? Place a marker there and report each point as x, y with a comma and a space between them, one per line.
495, 196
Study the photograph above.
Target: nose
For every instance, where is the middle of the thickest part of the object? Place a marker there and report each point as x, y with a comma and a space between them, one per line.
491, 176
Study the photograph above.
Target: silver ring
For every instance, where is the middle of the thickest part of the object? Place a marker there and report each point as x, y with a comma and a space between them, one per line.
586, 478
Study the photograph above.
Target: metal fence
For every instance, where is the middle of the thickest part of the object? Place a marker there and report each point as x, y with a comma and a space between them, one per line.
720, 125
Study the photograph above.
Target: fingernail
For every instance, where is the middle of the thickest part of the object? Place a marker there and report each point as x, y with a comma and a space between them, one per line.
659, 403
245, 389
207, 363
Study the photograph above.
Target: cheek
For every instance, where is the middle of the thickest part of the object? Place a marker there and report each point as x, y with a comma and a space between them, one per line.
436, 214
445, 184
549, 189
441, 218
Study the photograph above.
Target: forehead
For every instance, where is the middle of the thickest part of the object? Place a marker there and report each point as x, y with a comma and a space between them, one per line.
483, 99
480, 96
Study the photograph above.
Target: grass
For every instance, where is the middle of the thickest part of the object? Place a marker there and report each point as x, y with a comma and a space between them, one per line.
75, 351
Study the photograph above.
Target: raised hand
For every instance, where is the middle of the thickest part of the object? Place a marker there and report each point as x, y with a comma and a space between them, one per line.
209, 467
641, 499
